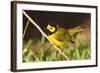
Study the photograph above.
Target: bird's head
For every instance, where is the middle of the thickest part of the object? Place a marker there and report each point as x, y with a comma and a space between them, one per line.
51, 28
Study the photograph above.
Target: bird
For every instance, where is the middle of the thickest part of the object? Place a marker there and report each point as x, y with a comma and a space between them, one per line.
59, 35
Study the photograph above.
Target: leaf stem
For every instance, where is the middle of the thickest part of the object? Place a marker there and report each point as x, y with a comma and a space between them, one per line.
26, 28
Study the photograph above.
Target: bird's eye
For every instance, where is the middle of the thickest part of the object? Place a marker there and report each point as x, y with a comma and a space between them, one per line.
51, 28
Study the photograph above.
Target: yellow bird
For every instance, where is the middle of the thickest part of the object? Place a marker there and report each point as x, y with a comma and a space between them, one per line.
60, 35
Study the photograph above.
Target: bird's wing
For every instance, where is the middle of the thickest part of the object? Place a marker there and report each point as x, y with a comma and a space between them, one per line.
74, 31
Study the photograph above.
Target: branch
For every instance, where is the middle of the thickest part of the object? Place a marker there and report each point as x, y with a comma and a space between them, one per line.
36, 25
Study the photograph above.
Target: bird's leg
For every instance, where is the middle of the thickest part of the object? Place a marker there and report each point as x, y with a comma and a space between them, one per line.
72, 40
61, 49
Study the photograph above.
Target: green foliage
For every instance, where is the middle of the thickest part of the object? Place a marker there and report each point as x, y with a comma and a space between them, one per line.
41, 50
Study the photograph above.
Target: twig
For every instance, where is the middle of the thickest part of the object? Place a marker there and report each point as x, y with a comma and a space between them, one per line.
36, 25
26, 28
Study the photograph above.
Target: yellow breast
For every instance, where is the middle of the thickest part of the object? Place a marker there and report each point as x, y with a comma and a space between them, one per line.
55, 41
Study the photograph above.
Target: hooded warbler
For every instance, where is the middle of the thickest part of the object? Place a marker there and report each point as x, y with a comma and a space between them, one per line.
60, 35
